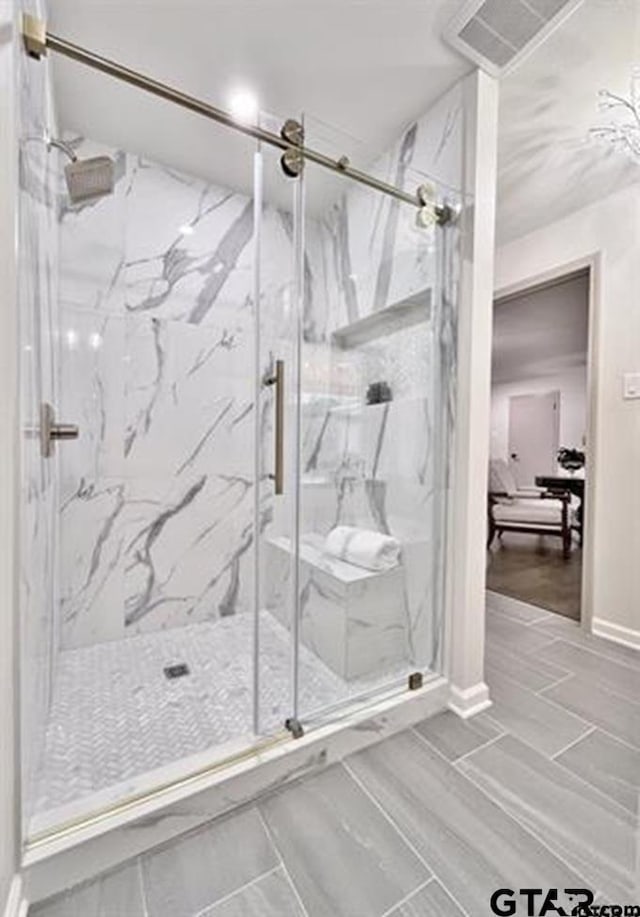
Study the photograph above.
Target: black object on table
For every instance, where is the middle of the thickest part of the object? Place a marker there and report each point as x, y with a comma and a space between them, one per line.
573, 485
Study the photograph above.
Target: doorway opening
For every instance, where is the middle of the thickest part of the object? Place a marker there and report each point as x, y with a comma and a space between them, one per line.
538, 444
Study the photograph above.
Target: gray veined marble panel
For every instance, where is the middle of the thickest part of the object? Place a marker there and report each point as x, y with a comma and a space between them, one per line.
270, 896
517, 637
454, 737
184, 878
533, 674
565, 812
614, 714
344, 857
619, 679
118, 894
545, 726
471, 844
611, 766
431, 901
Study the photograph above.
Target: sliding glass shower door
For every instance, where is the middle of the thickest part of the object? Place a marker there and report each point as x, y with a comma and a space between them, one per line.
276, 298
249, 524
351, 554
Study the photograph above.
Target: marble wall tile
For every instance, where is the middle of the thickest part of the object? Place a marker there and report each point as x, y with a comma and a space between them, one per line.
187, 550
352, 619
157, 336
161, 276
383, 476
91, 348
189, 398
377, 254
92, 238
91, 521
186, 277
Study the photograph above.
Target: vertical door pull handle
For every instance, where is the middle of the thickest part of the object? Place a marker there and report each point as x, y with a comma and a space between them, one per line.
278, 380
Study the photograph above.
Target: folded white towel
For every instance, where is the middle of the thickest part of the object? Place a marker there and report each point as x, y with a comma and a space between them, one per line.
370, 550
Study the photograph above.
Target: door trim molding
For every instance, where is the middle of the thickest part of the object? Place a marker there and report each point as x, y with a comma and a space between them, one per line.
591, 262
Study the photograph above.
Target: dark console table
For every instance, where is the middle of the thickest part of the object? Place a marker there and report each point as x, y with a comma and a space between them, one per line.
573, 485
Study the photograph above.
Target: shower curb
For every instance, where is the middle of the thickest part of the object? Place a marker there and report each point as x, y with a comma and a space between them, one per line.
106, 840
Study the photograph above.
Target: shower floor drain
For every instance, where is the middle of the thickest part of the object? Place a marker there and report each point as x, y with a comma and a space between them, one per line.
177, 670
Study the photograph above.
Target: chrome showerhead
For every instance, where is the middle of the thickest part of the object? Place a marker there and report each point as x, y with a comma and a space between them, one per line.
86, 178
89, 178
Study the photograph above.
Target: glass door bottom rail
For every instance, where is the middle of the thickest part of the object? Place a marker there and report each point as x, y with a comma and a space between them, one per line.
123, 708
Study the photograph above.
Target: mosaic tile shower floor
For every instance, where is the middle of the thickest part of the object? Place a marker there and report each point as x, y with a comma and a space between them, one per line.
115, 714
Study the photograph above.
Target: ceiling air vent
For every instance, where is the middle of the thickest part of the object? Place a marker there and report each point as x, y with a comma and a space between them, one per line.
497, 34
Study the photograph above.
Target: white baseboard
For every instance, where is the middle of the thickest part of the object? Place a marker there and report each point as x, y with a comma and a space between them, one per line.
469, 701
17, 904
616, 632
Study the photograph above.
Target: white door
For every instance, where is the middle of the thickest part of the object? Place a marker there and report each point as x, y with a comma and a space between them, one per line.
533, 435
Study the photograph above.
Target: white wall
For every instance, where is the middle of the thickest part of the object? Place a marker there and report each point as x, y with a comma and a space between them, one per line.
468, 518
607, 233
572, 385
8, 399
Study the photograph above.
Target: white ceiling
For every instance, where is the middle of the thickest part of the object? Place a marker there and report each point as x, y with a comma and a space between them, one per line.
365, 67
547, 166
542, 332
358, 69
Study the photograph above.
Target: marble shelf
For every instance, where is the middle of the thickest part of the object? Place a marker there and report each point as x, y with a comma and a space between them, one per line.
396, 317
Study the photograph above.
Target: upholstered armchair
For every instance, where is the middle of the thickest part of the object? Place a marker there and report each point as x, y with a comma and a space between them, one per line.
532, 510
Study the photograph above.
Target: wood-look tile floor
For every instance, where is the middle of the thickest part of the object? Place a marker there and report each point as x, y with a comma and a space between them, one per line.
539, 792
531, 568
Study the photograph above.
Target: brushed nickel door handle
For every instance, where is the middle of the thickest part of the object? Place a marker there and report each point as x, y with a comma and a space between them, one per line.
278, 380
50, 430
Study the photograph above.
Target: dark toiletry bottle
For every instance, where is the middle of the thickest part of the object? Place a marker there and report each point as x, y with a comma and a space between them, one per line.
379, 392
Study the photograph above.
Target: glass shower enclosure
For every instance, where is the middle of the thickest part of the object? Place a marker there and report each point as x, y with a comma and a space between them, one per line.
252, 363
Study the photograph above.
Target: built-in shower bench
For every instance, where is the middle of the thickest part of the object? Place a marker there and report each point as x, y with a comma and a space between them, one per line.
351, 618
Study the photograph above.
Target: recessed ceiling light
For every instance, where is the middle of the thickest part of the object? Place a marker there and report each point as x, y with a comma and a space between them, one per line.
244, 106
